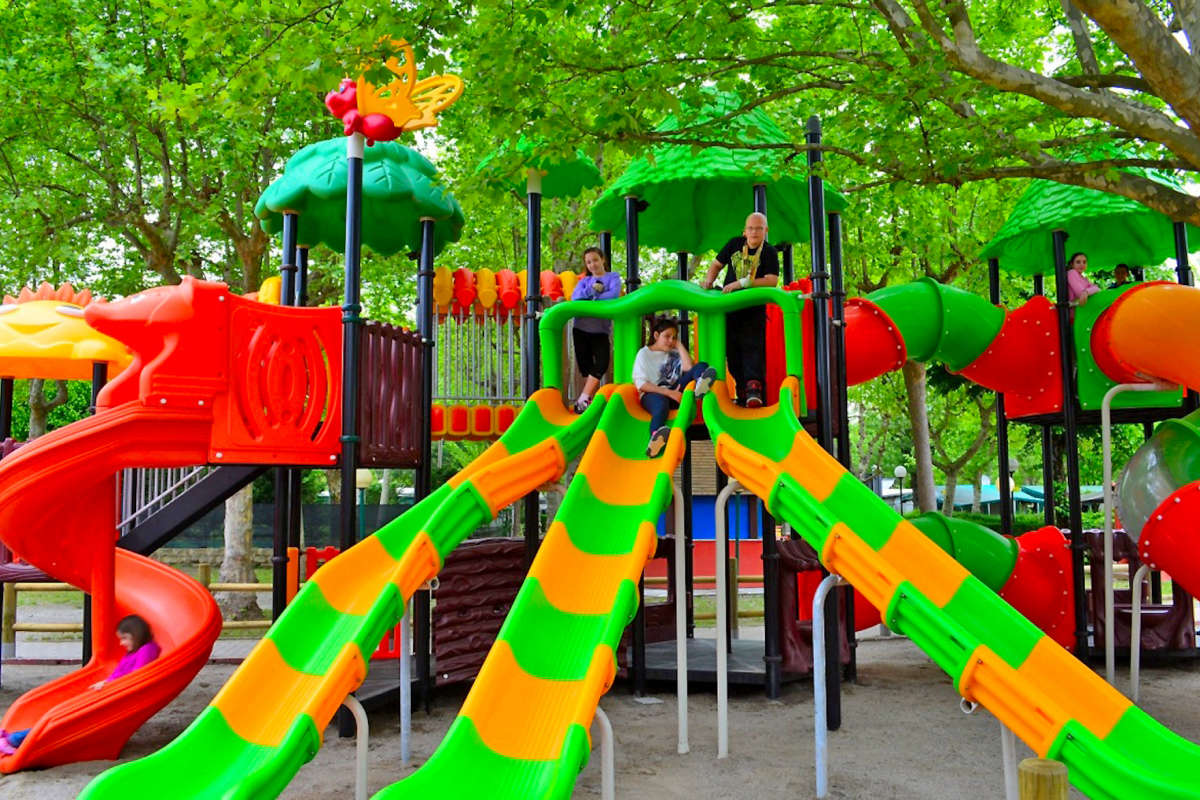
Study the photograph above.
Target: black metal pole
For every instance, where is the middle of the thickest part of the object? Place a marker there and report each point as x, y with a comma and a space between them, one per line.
283, 483
351, 326
606, 247
422, 602
825, 409
632, 207
1002, 471
837, 282
1074, 510
296, 476
99, 378
530, 355
787, 253
302, 280
6, 406
1039, 288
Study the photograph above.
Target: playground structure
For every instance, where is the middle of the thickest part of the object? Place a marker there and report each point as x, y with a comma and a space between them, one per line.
265, 391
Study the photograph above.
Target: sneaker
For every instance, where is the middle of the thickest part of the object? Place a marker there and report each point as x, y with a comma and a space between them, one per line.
581, 405
658, 441
6, 749
705, 382
754, 395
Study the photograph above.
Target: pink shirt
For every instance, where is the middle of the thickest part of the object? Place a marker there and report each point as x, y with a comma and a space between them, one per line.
134, 661
1079, 286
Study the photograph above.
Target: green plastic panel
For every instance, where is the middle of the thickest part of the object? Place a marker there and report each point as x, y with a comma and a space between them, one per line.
942, 639
596, 527
465, 768
993, 622
556, 645
1155, 748
940, 322
313, 646
853, 502
231, 769
1093, 384
792, 502
1103, 771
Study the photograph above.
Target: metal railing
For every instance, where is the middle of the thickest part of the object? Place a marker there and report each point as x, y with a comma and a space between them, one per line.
144, 492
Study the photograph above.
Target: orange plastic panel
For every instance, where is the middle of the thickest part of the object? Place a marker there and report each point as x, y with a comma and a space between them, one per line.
551, 286
483, 422
509, 289
464, 290
443, 287
1085, 695
939, 577
1151, 332
568, 280
486, 291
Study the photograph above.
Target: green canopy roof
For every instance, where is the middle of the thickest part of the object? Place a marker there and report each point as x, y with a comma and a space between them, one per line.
504, 168
1111, 229
398, 190
699, 197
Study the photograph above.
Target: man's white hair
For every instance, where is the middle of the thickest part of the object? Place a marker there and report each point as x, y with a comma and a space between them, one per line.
760, 215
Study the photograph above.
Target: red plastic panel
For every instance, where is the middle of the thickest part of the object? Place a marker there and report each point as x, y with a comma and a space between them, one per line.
438, 421
458, 422
551, 285
464, 291
1023, 361
873, 345
1168, 540
483, 423
505, 415
1040, 584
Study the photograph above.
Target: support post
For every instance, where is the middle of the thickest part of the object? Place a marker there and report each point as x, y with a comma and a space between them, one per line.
351, 326
283, 476
422, 600
787, 256
530, 354
1002, 471
1042, 779
825, 410
1183, 274
606, 247
1070, 404
633, 207
99, 378
838, 286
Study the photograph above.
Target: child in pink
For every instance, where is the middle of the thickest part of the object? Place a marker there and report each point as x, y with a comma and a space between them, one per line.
140, 649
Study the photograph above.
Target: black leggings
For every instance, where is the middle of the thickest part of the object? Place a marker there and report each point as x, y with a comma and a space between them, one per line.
746, 347
592, 352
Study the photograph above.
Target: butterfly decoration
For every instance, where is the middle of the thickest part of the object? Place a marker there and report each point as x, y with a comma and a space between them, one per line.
382, 113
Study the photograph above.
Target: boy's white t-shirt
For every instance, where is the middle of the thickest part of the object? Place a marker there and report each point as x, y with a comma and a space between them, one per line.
658, 367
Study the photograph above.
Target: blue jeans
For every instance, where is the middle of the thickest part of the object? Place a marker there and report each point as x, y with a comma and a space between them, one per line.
660, 405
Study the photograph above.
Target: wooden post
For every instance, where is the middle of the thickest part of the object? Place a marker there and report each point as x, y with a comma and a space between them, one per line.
8, 637
1042, 779
204, 573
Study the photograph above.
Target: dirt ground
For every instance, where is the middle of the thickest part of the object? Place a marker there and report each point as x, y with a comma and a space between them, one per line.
903, 736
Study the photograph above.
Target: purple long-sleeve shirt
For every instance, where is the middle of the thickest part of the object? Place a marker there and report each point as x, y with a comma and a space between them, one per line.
586, 289
135, 660
1078, 285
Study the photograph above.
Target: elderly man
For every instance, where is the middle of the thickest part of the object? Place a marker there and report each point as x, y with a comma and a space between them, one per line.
748, 261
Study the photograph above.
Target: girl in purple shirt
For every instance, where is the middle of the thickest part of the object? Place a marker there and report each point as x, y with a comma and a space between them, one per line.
140, 649
591, 334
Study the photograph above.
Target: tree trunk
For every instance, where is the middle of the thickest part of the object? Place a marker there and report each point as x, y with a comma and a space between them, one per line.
333, 481
977, 497
40, 406
918, 417
949, 492
238, 563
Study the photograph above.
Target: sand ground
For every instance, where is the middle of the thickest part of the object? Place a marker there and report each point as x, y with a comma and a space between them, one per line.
903, 736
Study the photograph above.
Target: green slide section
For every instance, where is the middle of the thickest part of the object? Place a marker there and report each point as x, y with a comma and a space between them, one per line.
940, 322
1061, 708
986, 554
209, 759
568, 656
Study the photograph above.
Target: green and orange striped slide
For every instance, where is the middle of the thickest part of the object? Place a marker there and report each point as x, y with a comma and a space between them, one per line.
1054, 703
523, 730
268, 719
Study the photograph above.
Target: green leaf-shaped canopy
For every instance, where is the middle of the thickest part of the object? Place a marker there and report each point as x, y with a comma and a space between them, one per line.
399, 189
699, 196
504, 168
1111, 229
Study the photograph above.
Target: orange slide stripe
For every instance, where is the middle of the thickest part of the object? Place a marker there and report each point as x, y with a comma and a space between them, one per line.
634, 486
520, 716
497, 452
501, 487
267, 695
369, 563
1084, 694
1032, 714
812, 467
757, 473
573, 581
939, 576
846, 554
